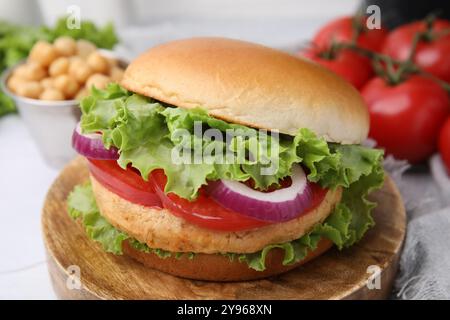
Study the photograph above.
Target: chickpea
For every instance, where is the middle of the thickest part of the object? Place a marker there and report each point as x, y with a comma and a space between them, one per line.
97, 62
75, 62
82, 94
60, 82
83, 73
76, 59
30, 71
116, 74
31, 89
14, 82
85, 48
51, 94
80, 70
47, 83
65, 46
35, 71
21, 71
98, 80
43, 53
59, 66
68, 86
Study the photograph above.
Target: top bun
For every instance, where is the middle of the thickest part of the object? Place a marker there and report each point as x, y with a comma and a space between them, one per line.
250, 84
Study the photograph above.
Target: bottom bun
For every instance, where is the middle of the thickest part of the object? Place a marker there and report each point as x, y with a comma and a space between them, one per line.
215, 267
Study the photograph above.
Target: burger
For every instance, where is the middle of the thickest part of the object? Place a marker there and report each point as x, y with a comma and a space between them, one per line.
222, 160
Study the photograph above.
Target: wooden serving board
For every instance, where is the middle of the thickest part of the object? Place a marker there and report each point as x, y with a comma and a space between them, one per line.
334, 275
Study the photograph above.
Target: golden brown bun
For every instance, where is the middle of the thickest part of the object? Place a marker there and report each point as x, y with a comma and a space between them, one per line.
159, 228
214, 267
250, 84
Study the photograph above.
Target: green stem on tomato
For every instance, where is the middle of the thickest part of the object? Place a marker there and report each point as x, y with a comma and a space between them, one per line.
391, 70
332, 51
417, 38
388, 71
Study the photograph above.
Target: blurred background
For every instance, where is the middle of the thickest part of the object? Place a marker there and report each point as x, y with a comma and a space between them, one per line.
130, 27
143, 23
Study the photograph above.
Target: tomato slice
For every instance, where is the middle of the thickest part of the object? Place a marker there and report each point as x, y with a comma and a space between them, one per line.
128, 184
204, 211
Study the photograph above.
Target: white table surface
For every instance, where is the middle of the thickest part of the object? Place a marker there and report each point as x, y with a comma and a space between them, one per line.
24, 180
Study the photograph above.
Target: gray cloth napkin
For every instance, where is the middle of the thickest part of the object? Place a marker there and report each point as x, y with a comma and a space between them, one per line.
425, 261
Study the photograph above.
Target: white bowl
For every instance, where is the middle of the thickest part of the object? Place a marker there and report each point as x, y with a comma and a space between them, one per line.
50, 123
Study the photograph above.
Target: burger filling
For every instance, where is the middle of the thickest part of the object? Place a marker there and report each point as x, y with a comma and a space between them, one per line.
219, 175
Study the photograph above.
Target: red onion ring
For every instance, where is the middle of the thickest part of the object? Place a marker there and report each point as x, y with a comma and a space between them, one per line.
276, 206
91, 145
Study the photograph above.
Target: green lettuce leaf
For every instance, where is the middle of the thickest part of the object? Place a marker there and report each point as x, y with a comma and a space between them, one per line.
6, 104
102, 37
82, 205
163, 254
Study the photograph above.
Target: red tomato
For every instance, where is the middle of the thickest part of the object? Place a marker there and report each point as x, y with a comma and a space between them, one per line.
432, 56
342, 30
126, 183
349, 65
444, 144
406, 118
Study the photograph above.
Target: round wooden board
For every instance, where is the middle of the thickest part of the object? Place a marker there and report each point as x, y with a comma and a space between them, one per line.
334, 275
